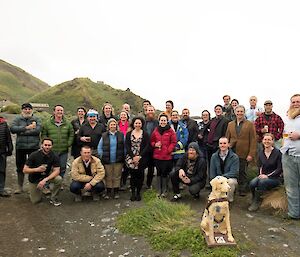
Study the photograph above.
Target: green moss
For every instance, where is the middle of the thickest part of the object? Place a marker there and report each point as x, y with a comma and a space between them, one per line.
169, 227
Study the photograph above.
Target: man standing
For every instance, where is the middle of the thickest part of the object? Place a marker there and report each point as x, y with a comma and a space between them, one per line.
90, 133
242, 139
291, 157
227, 106
6, 149
150, 124
61, 132
43, 167
254, 111
191, 125
217, 129
225, 163
28, 128
87, 175
269, 122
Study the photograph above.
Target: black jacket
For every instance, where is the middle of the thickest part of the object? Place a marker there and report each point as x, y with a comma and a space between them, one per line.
199, 171
6, 146
145, 149
193, 129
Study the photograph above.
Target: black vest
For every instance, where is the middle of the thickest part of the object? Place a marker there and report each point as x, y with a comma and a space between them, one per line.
106, 148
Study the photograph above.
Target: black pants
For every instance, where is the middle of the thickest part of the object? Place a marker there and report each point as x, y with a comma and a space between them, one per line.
193, 189
243, 186
21, 157
136, 180
2, 171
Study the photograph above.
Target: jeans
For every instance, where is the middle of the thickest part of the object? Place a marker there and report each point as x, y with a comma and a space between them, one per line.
2, 171
263, 184
291, 174
63, 158
76, 187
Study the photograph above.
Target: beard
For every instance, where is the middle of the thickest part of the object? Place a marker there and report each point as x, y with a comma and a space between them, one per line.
26, 115
293, 112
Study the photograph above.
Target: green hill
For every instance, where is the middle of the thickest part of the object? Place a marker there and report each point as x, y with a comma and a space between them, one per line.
16, 85
84, 92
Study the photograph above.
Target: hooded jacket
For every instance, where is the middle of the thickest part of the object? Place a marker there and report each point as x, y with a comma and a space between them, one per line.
6, 146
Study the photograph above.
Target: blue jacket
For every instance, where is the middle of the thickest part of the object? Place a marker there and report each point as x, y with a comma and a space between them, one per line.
182, 136
231, 165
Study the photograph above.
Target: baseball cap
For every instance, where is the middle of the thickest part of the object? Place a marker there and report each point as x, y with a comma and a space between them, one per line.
268, 102
26, 105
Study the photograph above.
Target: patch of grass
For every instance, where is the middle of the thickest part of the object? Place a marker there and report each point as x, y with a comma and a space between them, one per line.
169, 227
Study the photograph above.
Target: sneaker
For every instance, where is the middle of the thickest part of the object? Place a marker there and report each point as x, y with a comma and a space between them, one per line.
106, 197
4, 194
78, 198
122, 188
55, 202
96, 197
176, 197
86, 193
116, 196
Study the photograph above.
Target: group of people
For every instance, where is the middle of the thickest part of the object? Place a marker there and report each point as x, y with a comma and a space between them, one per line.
108, 148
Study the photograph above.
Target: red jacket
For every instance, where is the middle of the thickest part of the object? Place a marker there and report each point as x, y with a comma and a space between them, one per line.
168, 141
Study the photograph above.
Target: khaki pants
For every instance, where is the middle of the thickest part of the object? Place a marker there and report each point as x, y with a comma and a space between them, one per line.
113, 174
35, 194
232, 182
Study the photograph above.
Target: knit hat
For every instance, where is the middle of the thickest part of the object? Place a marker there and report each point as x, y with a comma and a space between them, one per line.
195, 146
92, 113
26, 105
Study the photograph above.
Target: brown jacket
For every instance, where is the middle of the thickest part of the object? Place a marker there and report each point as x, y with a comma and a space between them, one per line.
78, 171
243, 144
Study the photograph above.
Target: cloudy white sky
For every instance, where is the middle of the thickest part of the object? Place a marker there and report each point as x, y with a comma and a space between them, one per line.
192, 52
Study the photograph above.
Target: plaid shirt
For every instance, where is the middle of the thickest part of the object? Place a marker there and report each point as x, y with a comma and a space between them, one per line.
275, 125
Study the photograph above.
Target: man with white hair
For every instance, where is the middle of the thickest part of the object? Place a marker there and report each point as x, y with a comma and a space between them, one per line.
27, 127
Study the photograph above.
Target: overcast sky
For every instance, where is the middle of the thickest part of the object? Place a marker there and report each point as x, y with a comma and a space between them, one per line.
192, 52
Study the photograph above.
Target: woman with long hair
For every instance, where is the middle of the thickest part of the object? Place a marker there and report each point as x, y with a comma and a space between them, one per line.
137, 148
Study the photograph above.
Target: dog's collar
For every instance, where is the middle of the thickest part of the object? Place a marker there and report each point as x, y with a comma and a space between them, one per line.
217, 200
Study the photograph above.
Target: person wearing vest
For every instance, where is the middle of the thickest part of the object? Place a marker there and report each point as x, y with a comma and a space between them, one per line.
111, 151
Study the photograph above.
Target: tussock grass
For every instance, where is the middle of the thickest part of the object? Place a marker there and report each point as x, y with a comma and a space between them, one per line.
169, 227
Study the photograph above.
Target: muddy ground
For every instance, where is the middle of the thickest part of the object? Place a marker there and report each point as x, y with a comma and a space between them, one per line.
88, 228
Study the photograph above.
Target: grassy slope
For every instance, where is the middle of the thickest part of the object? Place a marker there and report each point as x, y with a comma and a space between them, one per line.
84, 92
17, 85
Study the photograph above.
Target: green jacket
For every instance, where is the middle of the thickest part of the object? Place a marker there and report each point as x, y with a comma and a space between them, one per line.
26, 138
62, 135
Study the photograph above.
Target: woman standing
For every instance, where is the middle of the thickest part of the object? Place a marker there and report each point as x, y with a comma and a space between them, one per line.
77, 123
163, 140
270, 171
137, 148
111, 151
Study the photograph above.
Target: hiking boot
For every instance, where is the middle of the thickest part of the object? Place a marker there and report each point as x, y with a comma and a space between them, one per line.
55, 202
78, 198
116, 196
138, 197
19, 190
256, 201
4, 193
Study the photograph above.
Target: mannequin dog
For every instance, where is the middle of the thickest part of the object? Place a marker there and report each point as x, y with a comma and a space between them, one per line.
216, 217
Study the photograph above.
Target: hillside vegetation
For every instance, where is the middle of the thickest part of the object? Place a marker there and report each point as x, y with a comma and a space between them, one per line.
84, 92
17, 85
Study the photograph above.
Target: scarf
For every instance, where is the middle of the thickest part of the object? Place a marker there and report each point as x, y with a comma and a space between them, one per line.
161, 130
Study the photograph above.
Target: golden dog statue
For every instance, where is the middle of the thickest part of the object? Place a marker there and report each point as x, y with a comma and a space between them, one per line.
216, 217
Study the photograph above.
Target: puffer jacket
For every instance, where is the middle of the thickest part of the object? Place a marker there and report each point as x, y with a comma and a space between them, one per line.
62, 135
6, 146
26, 138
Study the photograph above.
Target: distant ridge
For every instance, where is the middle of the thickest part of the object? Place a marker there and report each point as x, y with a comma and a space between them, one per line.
16, 85
85, 92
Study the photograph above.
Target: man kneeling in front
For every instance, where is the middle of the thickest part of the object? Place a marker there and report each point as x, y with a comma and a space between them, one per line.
42, 166
87, 174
